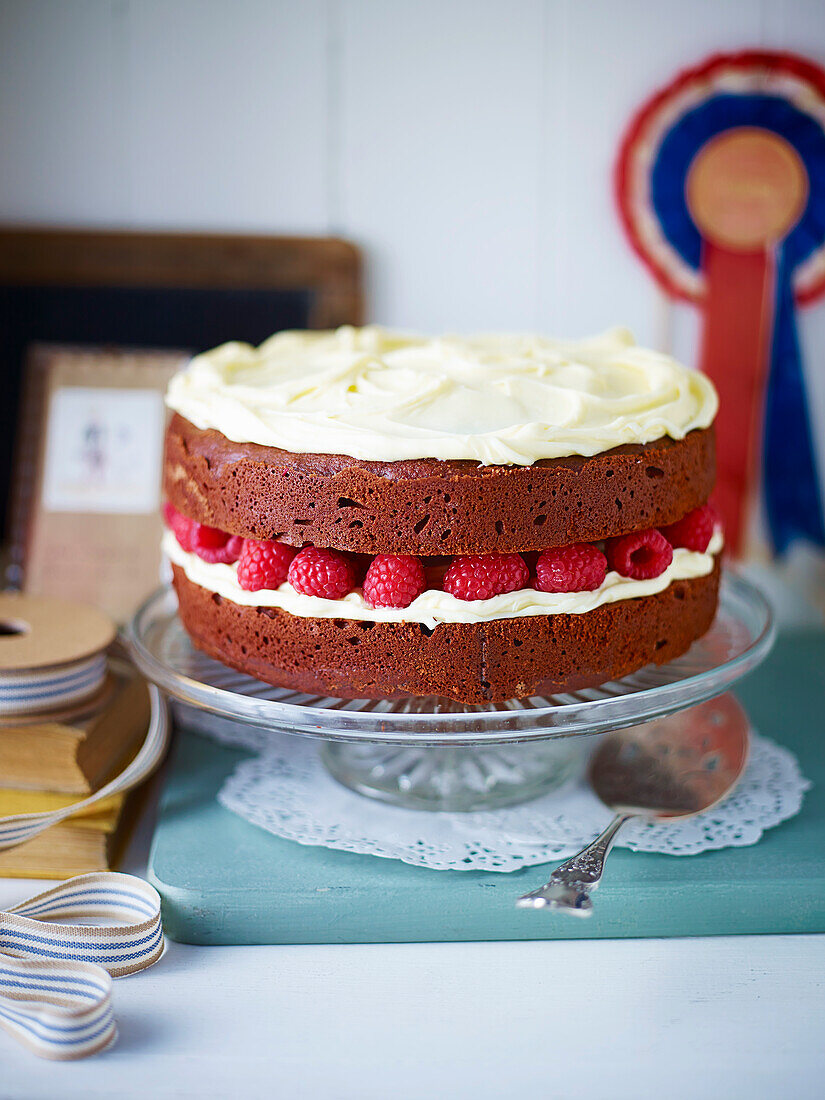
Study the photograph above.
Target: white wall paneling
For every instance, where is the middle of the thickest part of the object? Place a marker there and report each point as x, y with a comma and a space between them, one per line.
466, 145
169, 113
440, 155
229, 113
64, 125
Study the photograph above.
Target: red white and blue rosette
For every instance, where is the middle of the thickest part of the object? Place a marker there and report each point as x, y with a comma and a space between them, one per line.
720, 182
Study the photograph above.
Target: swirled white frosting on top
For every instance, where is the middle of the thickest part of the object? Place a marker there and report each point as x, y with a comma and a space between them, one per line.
496, 399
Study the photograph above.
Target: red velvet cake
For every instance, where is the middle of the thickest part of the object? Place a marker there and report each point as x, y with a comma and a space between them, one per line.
364, 513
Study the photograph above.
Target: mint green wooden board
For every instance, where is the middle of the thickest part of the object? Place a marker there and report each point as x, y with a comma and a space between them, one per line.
226, 882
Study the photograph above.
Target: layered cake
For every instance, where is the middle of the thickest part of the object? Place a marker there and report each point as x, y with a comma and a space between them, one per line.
367, 514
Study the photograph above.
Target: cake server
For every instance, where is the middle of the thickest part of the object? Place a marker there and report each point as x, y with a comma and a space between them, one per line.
670, 768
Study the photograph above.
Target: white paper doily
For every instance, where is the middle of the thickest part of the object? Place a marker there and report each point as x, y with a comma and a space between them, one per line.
287, 791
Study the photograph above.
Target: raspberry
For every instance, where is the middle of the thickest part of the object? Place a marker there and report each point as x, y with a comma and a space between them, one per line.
480, 576
694, 530
183, 529
393, 580
208, 543
641, 556
207, 538
577, 568
213, 545
226, 554
318, 572
263, 564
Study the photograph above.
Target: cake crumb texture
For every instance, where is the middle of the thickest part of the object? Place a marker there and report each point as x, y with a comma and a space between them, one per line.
469, 662
432, 507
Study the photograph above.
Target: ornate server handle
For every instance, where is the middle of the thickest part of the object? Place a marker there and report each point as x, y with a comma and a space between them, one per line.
569, 886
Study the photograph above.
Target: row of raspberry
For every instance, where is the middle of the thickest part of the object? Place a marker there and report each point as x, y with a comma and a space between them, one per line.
395, 580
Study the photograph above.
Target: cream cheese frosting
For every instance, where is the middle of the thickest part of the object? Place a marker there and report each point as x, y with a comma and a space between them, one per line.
434, 606
381, 395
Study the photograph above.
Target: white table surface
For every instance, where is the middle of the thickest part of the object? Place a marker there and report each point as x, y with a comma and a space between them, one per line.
718, 1017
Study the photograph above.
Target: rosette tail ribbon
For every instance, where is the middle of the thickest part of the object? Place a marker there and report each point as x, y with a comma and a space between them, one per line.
793, 490
750, 321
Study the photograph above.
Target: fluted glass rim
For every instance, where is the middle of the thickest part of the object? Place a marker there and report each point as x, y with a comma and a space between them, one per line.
739, 639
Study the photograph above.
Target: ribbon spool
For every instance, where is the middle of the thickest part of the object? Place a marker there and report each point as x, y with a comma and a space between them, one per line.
720, 182
52, 653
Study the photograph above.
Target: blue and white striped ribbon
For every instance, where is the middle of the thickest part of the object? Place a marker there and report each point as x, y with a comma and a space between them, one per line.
57, 1011
56, 978
45, 689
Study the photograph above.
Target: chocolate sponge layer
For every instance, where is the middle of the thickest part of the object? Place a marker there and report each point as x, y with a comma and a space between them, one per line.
470, 662
430, 507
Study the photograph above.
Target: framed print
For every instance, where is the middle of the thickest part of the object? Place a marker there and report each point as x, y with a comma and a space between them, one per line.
86, 502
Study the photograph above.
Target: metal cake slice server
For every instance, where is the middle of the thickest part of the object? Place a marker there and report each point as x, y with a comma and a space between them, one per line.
670, 768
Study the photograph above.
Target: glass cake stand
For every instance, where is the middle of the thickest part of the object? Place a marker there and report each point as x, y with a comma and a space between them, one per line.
432, 753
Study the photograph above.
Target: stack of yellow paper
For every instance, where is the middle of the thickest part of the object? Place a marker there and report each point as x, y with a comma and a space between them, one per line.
48, 762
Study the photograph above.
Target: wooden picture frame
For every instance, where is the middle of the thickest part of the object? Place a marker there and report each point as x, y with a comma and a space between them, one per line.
327, 267
132, 293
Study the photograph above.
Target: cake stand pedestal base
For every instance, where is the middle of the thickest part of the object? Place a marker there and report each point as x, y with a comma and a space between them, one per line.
456, 778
